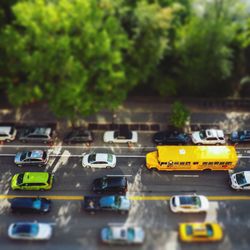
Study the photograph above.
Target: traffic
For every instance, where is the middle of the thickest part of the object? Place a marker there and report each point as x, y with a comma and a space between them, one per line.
200, 151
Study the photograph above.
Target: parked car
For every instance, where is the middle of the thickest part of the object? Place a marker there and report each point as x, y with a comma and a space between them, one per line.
117, 203
99, 160
79, 136
120, 136
208, 137
110, 184
30, 231
32, 181
7, 133
122, 235
240, 136
32, 158
240, 180
37, 134
30, 205
171, 138
189, 203
200, 232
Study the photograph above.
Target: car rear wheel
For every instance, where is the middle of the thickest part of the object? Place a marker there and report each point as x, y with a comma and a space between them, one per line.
7, 140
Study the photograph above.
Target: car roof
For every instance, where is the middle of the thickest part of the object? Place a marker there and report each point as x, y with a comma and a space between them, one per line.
247, 176
214, 133
36, 154
30, 177
124, 132
5, 129
40, 130
119, 232
101, 157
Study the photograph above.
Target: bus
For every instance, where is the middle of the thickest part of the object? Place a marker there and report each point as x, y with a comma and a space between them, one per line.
174, 158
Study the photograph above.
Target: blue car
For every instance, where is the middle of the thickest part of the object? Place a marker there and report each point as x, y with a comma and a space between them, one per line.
240, 136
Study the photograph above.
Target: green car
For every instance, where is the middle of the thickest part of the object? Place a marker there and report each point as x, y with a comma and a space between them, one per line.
32, 181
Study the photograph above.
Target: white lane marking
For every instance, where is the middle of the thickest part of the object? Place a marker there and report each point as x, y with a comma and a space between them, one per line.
185, 175
131, 156
119, 175
212, 212
80, 155
75, 146
7, 154
243, 156
62, 161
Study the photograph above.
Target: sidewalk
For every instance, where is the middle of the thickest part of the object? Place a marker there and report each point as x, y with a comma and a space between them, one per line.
147, 111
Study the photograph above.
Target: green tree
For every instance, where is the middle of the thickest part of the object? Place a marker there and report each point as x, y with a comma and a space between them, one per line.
179, 115
68, 53
147, 24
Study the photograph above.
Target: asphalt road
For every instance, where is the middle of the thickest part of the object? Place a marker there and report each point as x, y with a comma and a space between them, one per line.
149, 192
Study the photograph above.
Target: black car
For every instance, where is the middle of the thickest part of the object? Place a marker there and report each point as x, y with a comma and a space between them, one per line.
240, 136
36, 134
30, 205
79, 136
110, 184
171, 138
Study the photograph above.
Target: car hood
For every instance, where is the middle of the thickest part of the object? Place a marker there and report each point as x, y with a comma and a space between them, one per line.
196, 136
97, 184
18, 157
139, 235
45, 231
108, 136
125, 203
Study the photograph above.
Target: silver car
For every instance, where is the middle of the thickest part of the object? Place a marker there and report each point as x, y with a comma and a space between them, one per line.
32, 158
37, 134
99, 160
122, 235
30, 231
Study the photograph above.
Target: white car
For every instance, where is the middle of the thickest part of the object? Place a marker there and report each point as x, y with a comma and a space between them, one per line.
30, 231
189, 203
99, 160
240, 180
7, 133
120, 136
122, 235
208, 137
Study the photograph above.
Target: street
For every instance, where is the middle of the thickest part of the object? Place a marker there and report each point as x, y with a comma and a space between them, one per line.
148, 191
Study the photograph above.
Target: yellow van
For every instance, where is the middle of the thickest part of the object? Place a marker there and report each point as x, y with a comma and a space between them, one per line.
172, 158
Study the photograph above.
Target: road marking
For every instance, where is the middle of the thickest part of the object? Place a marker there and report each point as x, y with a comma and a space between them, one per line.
52, 197
130, 156
243, 157
120, 175
131, 197
76, 146
80, 155
185, 175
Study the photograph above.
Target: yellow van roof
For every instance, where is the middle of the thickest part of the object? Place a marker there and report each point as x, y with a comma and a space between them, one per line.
199, 153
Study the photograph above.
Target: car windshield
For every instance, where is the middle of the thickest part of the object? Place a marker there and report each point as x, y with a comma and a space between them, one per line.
118, 201
110, 158
37, 203
209, 230
240, 178
25, 229
109, 234
190, 200
202, 134
44, 154
24, 155
104, 182
131, 234
20, 179
92, 158
189, 230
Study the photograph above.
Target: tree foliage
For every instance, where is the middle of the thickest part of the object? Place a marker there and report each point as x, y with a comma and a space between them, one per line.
68, 53
179, 115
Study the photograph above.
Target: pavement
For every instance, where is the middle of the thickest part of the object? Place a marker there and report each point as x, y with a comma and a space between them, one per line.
142, 113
